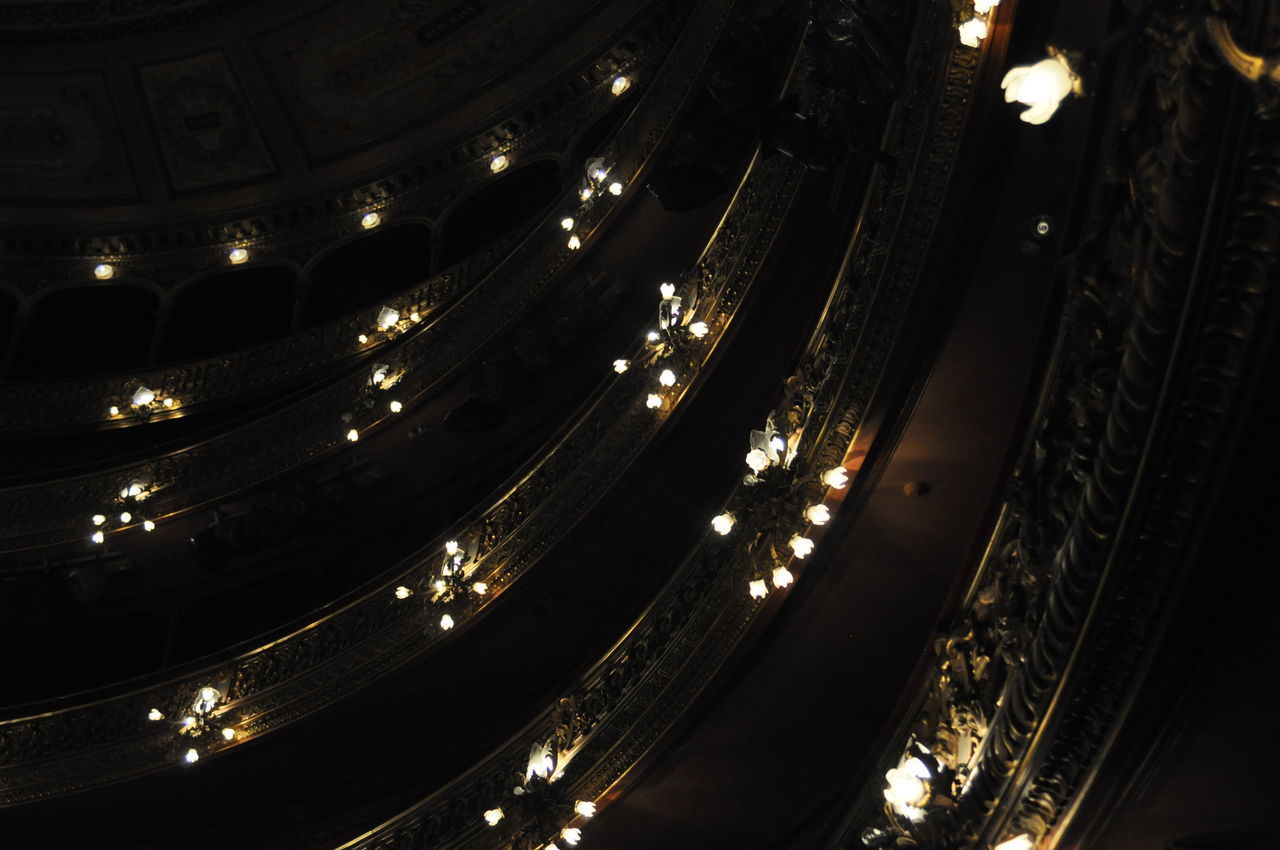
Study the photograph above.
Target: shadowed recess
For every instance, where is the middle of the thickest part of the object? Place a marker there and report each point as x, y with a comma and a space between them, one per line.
366, 270
505, 204
229, 311
111, 326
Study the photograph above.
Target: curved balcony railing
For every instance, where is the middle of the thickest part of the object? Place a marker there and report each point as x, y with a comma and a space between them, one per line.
419, 359
545, 125
270, 686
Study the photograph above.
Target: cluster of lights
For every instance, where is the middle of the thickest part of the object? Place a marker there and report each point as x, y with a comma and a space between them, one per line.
535, 804
124, 513
595, 183
380, 379
198, 726
390, 322
674, 331
976, 28
144, 402
451, 588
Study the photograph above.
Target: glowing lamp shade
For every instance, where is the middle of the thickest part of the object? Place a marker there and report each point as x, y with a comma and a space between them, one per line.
585, 194
585, 808
699, 329
370, 220
113, 410
148, 525
782, 577
480, 588
103, 271
143, 396
758, 589
836, 478
154, 714
499, 163
667, 290
667, 378
126, 517
574, 242
571, 835
99, 519
818, 514
191, 757
801, 546
492, 816
97, 537
1041, 87
403, 592
757, 460
567, 223
387, 317
446, 622
451, 547
228, 734
206, 700
653, 402
981, 7
972, 32
395, 407
353, 435
238, 256
723, 524
1018, 842
621, 366
620, 84
615, 188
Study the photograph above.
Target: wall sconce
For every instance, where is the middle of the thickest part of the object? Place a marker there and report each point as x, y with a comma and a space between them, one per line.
370, 220
238, 256
499, 163
103, 271
1041, 87
387, 318
620, 84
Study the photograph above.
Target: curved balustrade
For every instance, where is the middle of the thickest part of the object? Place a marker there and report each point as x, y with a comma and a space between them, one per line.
273, 685
421, 357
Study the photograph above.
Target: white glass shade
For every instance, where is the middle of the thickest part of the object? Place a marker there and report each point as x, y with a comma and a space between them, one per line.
1041, 87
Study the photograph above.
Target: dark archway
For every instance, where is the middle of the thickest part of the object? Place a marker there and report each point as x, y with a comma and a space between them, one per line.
87, 330
499, 208
367, 270
229, 311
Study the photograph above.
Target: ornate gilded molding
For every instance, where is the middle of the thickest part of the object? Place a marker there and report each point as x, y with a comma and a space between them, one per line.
1038, 669
420, 358
80, 746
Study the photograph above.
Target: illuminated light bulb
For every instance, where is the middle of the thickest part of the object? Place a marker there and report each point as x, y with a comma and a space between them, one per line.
228, 734
758, 589
446, 622
818, 514
379, 375
599, 174
451, 547
802, 546
113, 410
126, 517
699, 329
836, 478
1041, 87
972, 32
387, 317
567, 223
984, 6
154, 714
395, 407
652, 336
574, 242
1020, 842
438, 585
168, 402
778, 444
188, 721
103, 271
723, 524
585, 194
619, 85
480, 588
492, 816
143, 396
908, 785
99, 519
403, 592
757, 460
571, 835
415, 316
782, 577
585, 808
668, 290
191, 757
653, 402
237, 256
499, 163
370, 220
552, 846
134, 490
148, 525
206, 699
97, 537
621, 366
615, 188
362, 339
667, 378
353, 435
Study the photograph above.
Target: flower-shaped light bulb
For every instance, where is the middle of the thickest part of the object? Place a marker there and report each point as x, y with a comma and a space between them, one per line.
782, 577
1018, 842
99, 519
621, 366
155, 714
353, 435
667, 290
403, 592
585, 808
97, 537
699, 329
615, 188
571, 835
480, 588
1041, 87
818, 514
148, 525
723, 524
395, 407
126, 517
667, 378
757, 460
801, 546
574, 242
981, 7
492, 816
758, 589
191, 756
567, 223
228, 734
972, 32
446, 622
653, 401
837, 478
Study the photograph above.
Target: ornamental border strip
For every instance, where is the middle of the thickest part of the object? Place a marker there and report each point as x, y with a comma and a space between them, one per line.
84, 745
44, 514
